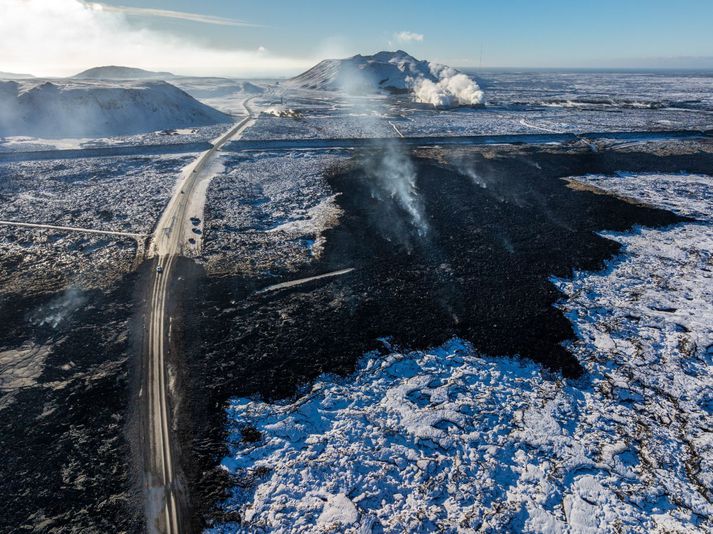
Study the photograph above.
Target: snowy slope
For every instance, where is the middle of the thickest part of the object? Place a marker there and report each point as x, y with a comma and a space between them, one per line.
113, 72
448, 440
392, 72
84, 109
385, 70
216, 87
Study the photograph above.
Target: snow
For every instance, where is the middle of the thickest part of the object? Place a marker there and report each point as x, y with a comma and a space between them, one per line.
113, 72
448, 439
395, 72
268, 210
224, 94
515, 103
338, 512
124, 194
82, 108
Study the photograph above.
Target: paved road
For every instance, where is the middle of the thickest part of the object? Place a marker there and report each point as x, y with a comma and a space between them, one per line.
460, 140
165, 492
73, 229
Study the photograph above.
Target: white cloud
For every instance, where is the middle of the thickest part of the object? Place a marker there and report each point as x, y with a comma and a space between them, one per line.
165, 13
407, 37
63, 37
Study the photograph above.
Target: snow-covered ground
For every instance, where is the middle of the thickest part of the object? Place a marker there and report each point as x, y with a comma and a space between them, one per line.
148, 140
35, 261
124, 194
605, 90
451, 440
267, 211
515, 103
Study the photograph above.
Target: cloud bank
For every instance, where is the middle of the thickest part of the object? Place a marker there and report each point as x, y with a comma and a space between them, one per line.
63, 37
409, 37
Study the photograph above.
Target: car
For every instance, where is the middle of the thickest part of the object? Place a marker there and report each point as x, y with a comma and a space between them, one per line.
159, 269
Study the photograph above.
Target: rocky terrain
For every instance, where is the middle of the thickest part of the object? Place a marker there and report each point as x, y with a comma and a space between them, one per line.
451, 438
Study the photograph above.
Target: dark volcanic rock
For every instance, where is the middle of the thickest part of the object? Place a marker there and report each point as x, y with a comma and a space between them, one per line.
498, 229
66, 467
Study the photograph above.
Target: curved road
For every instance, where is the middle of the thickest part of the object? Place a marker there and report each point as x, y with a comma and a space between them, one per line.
166, 497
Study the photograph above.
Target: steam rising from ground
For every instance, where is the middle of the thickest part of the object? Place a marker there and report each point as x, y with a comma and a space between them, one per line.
452, 89
392, 169
389, 166
60, 308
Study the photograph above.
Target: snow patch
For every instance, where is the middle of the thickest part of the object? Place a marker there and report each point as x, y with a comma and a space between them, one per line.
446, 439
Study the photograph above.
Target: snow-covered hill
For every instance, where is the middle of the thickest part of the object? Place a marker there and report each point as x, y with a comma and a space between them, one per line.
113, 72
216, 87
85, 109
393, 72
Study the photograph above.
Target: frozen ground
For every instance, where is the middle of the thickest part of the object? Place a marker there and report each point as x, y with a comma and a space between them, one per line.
200, 134
41, 261
288, 197
449, 440
514, 103
491, 120
592, 89
118, 193
223, 94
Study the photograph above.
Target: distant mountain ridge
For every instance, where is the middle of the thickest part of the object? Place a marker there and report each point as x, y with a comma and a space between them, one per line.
114, 72
92, 109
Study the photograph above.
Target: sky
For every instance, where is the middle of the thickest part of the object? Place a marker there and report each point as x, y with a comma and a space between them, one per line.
267, 38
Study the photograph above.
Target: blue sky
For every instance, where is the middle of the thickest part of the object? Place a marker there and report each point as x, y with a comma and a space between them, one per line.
510, 32
279, 37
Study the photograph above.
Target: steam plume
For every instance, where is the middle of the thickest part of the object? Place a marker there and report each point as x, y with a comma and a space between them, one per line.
395, 173
391, 171
452, 89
